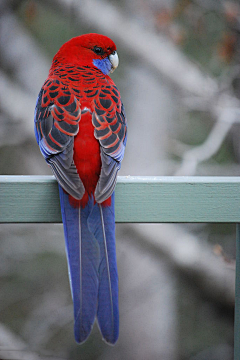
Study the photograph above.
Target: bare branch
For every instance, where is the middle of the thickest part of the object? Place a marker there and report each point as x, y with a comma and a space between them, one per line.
227, 113
18, 106
155, 49
186, 253
20, 54
12, 347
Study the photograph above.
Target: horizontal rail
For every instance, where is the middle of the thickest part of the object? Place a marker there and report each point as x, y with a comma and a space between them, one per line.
34, 199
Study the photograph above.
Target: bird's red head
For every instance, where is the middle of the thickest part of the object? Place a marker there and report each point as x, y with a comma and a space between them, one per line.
89, 49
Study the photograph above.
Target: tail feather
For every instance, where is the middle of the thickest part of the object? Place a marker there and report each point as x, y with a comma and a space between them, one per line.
102, 223
83, 262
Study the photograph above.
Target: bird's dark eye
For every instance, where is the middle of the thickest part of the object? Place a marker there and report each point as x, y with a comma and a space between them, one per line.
98, 50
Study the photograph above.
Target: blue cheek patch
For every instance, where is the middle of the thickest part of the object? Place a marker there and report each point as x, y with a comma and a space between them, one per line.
103, 64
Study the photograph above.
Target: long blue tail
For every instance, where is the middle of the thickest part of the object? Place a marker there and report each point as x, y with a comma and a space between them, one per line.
90, 246
102, 224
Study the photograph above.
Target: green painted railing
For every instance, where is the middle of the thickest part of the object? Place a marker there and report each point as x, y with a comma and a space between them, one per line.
34, 199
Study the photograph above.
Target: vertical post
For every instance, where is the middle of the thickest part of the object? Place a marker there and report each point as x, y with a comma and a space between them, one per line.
237, 298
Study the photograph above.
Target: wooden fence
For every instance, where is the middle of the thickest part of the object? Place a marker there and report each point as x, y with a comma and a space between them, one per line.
34, 199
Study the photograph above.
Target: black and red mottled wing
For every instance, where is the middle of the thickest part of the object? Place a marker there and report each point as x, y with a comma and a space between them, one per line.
110, 128
56, 122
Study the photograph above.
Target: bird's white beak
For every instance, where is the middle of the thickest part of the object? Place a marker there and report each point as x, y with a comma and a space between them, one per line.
114, 61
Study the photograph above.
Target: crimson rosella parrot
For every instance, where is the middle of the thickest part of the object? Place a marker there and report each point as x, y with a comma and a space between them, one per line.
80, 127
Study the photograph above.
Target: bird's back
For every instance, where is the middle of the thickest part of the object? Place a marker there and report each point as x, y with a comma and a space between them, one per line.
85, 84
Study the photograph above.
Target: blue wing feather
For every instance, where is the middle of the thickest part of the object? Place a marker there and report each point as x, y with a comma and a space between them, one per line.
55, 133
112, 137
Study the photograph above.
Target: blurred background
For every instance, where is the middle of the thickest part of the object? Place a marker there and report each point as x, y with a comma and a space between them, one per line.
179, 78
